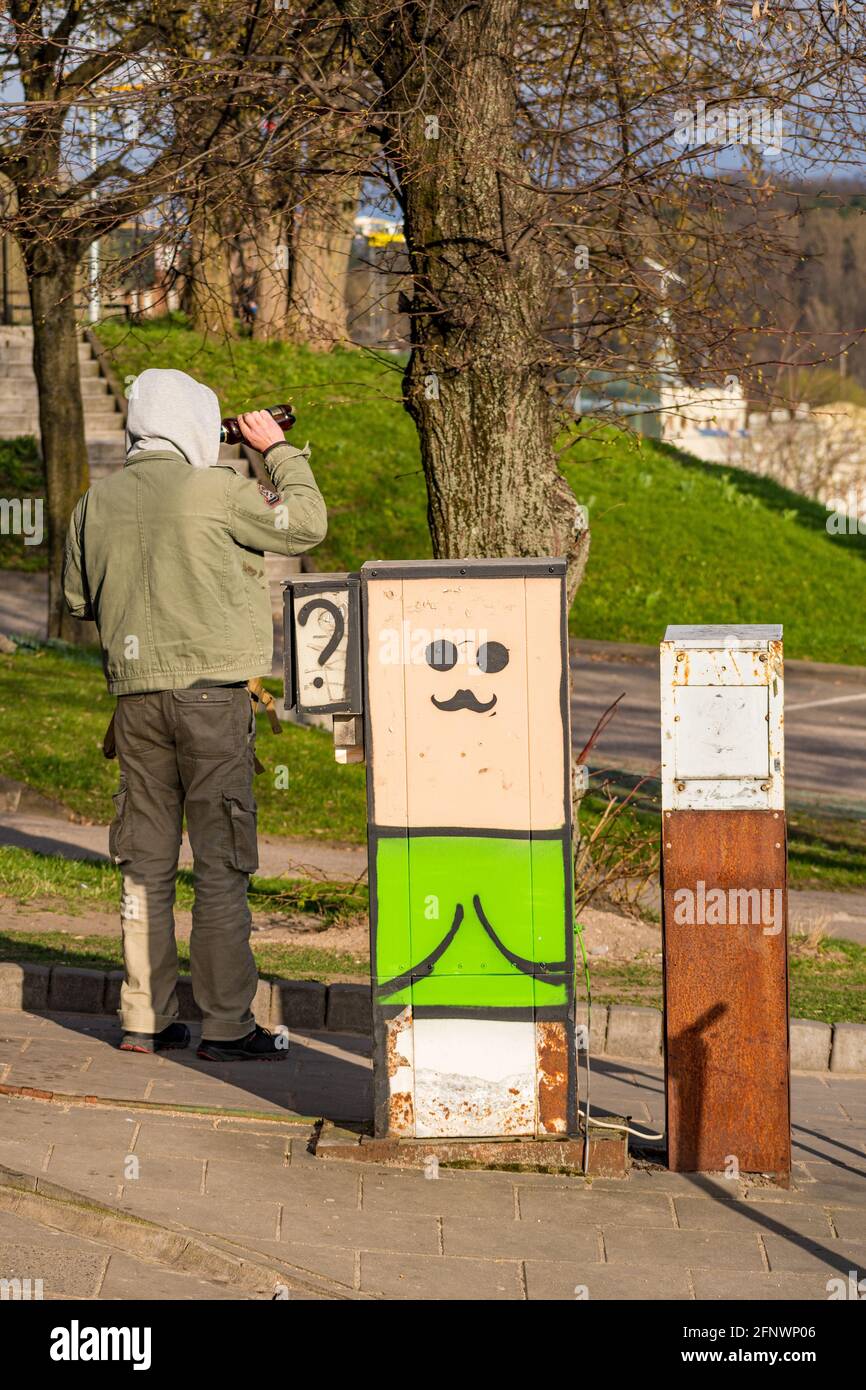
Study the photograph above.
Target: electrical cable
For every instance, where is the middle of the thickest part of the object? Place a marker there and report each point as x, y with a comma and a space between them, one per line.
626, 1129
585, 1114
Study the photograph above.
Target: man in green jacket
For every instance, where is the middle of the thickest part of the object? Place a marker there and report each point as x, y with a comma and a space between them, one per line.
166, 557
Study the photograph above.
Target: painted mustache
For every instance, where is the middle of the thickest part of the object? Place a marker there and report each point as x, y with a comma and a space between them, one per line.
464, 699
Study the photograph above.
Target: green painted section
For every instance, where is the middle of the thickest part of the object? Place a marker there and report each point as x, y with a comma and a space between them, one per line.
521, 885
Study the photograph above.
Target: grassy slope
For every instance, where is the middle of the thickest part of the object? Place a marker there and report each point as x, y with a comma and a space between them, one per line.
674, 540
348, 406
677, 540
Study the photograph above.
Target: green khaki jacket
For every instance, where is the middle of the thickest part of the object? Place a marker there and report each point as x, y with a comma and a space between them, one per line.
167, 560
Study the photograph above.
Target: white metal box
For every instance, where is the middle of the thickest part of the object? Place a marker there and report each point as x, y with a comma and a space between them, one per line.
722, 718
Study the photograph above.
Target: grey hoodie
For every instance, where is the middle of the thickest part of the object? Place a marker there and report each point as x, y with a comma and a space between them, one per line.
170, 410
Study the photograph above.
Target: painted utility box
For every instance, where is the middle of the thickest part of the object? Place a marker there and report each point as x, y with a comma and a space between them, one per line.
724, 875
467, 743
322, 642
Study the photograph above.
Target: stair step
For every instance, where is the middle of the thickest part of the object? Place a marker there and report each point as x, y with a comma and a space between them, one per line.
18, 371
23, 371
93, 388
22, 352
11, 426
94, 415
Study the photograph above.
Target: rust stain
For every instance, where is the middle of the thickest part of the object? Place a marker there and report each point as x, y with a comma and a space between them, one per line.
551, 1049
401, 1105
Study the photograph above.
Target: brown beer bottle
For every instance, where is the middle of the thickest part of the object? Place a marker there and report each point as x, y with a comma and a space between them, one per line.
230, 433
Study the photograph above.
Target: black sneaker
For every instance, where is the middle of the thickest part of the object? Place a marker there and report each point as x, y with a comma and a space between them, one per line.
176, 1035
257, 1046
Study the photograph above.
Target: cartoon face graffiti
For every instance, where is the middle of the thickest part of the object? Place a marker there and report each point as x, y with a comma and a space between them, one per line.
443, 655
467, 747
468, 782
466, 693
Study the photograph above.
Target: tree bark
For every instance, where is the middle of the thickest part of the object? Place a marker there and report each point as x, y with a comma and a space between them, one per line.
272, 276
321, 248
51, 278
209, 278
482, 283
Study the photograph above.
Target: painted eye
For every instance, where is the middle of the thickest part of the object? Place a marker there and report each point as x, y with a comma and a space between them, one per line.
492, 657
441, 655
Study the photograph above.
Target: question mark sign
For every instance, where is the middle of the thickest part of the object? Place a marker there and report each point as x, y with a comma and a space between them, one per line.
336, 637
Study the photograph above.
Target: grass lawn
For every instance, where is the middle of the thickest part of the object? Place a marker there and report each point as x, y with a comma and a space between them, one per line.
828, 981
104, 953
56, 748
826, 853
823, 852
54, 710
22, 475
674, 539
81, 885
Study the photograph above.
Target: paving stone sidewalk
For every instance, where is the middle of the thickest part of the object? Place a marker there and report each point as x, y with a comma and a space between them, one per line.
251, 1184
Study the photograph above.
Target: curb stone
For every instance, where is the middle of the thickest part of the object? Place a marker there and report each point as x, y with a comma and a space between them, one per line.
60, 1208
24, 986
77, 991
597, 1026
849, 1048
634, 1032
350, 1009
811, 1043
298, 1004
617, 1030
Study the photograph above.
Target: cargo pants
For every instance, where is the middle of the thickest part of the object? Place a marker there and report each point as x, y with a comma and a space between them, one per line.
192, 752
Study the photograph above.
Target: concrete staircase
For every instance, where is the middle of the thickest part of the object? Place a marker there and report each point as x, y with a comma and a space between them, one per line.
103, 413
19, 406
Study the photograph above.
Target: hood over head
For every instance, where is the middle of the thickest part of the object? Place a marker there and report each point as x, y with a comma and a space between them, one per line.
170, 410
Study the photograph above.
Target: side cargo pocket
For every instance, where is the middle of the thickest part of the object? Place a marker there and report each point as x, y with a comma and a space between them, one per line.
120, 828
243, 850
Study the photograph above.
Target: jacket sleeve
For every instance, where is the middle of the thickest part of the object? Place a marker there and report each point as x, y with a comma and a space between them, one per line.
74, 579
288, 518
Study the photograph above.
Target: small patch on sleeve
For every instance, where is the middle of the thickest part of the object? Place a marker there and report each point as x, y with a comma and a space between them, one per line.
272, 498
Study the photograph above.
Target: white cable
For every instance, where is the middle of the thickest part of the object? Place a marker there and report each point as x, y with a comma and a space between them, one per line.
607, 1124
584, 1115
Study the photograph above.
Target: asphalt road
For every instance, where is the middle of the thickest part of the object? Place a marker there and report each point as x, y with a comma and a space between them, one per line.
825, 720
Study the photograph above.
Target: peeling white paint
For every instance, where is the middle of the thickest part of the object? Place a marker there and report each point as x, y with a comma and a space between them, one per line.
474, 1077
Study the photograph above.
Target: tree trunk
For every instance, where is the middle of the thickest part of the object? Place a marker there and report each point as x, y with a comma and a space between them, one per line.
320, 261
211, 311
272, 276
61, 414
482, 290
